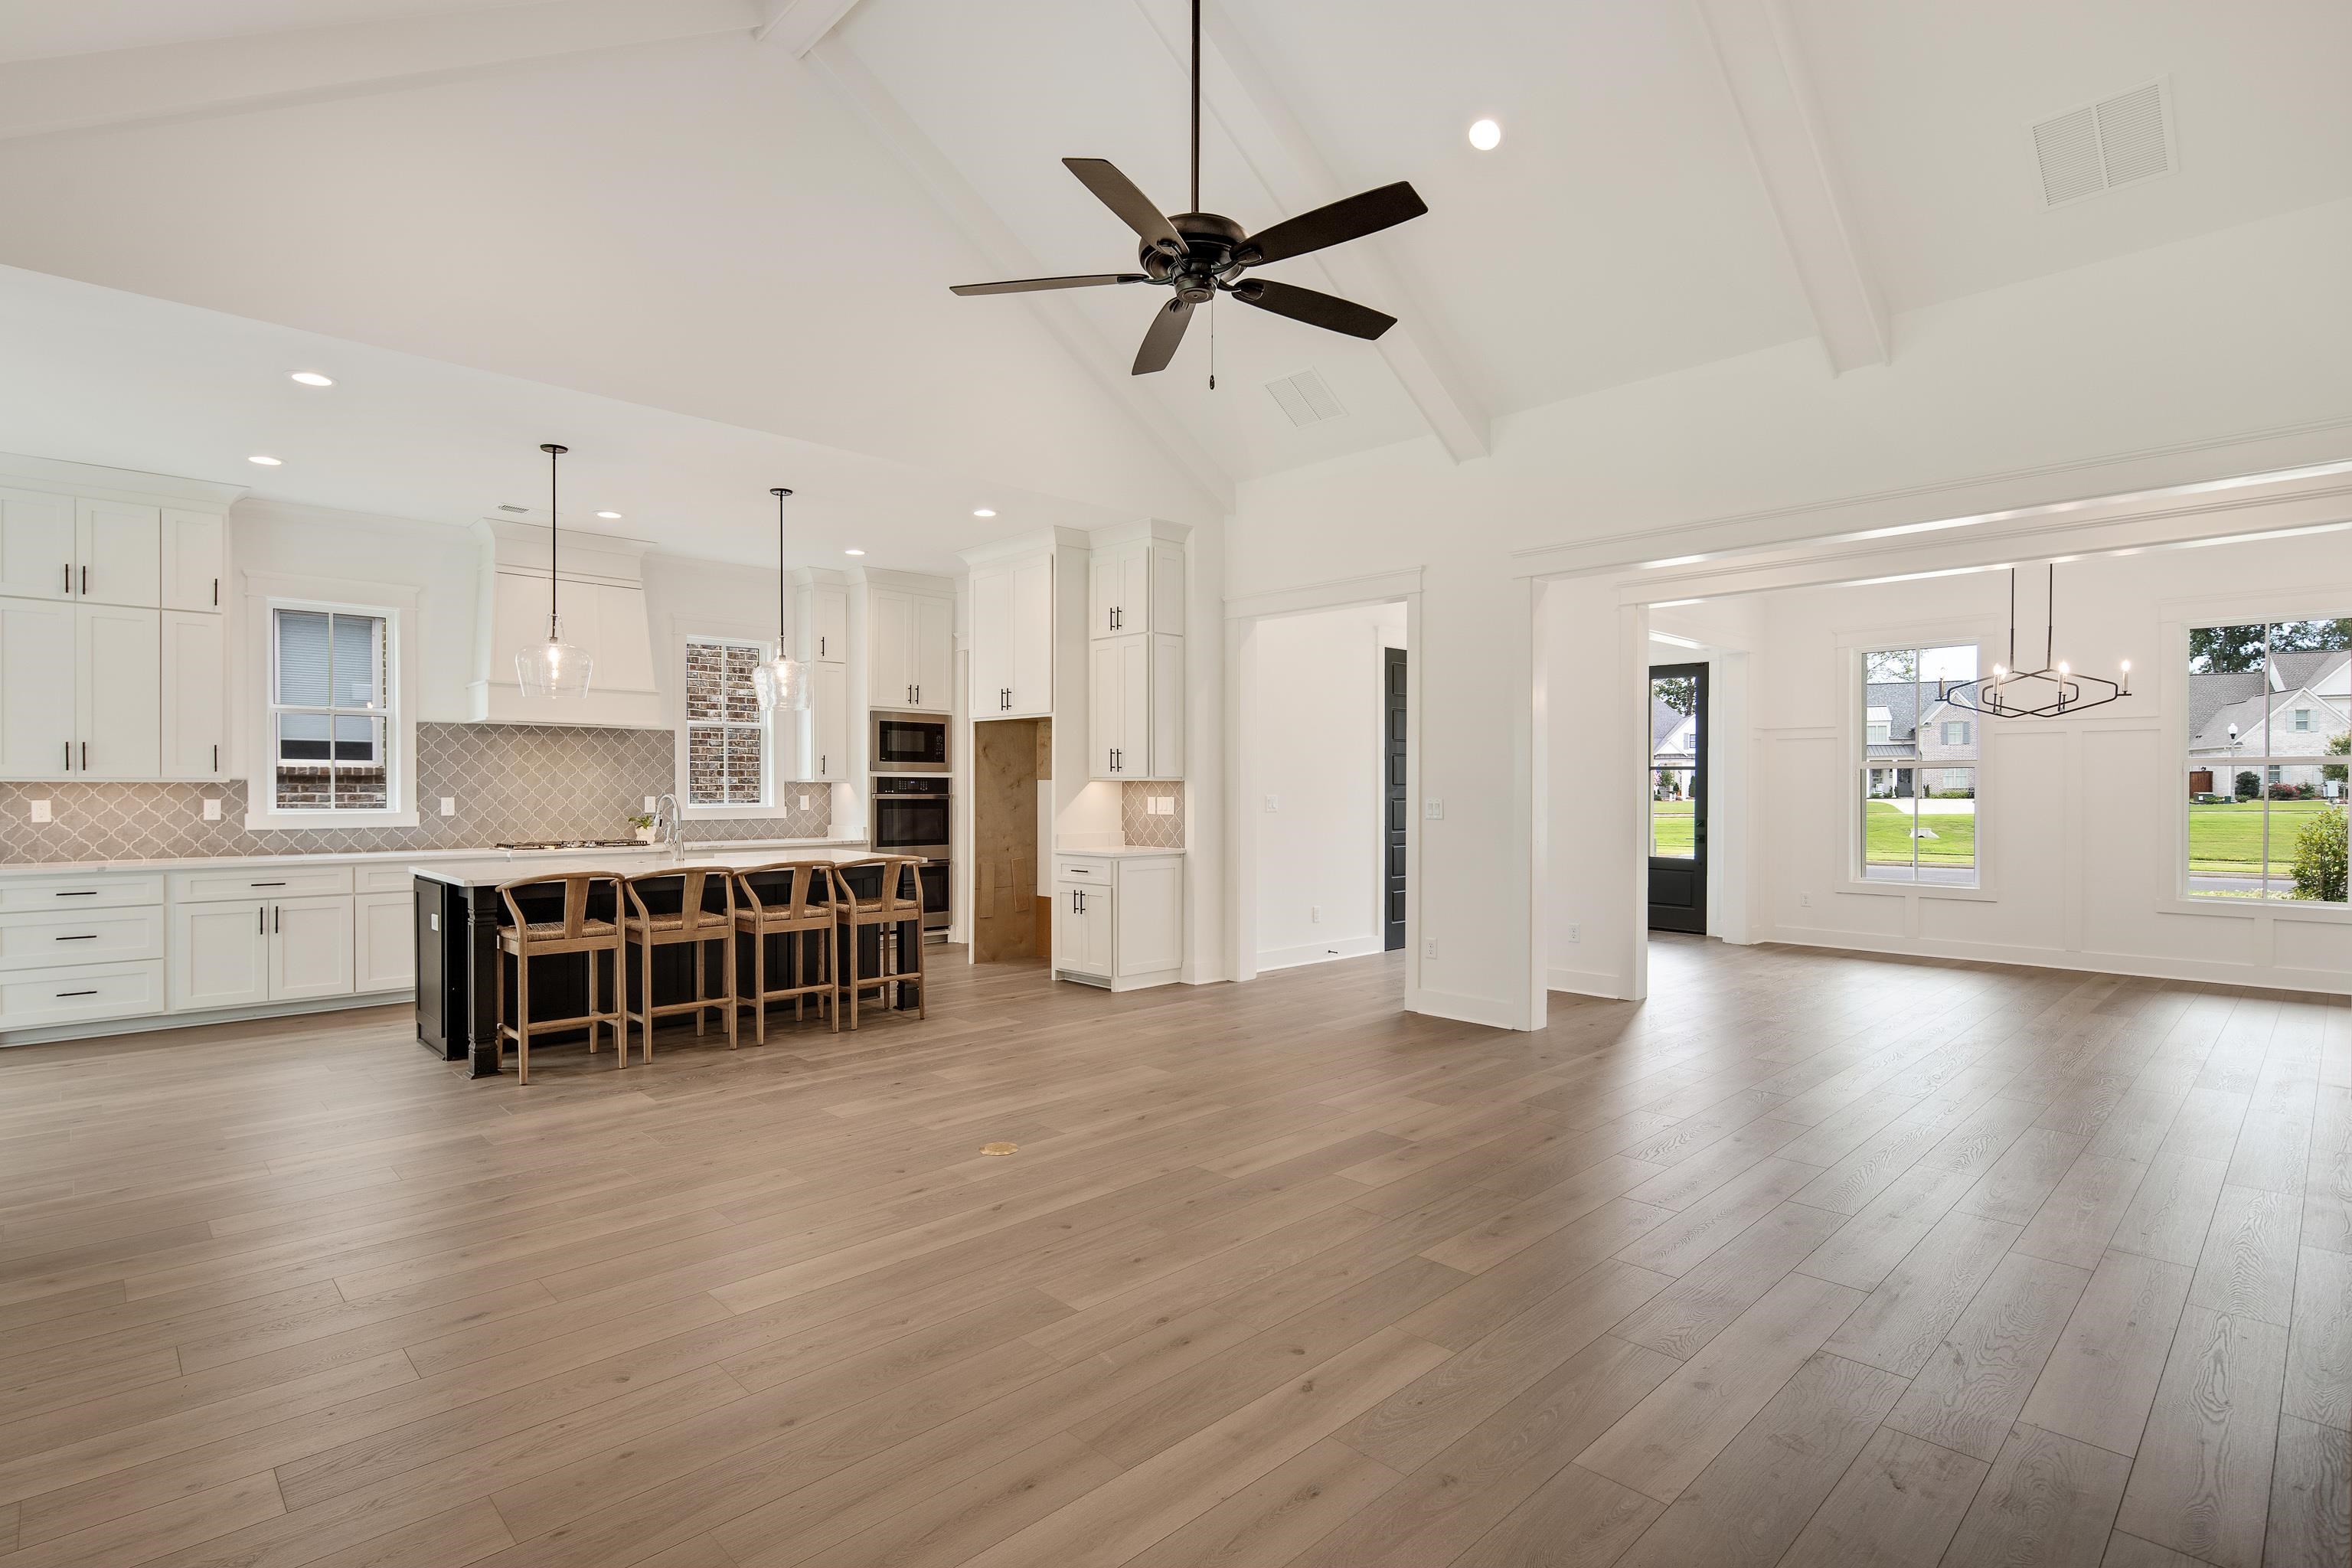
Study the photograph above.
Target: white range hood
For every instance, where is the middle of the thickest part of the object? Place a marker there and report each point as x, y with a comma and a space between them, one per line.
603, 608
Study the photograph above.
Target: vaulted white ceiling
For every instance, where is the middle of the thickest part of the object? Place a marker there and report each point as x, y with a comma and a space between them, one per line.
747, 213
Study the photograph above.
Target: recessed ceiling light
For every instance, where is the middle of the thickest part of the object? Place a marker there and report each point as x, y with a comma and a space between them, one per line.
984, 512
1486, 135
313, 378
265, 462
614, 516
852, 553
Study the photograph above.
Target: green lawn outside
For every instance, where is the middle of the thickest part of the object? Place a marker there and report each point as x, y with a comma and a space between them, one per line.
1887, 837
1670, 829
2227, 840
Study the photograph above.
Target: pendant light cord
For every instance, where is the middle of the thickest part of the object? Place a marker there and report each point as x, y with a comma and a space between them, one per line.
553, 527
780, 493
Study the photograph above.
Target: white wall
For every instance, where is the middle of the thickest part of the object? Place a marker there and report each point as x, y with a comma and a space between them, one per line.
1315, 733
2216, 356
2079, 819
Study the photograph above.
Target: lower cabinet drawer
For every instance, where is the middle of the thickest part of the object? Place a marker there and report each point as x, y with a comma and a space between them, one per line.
38, 999
382, 879
260, 882
47, 940
24, 894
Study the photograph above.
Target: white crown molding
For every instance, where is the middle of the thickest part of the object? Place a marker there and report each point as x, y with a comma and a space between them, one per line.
62, 477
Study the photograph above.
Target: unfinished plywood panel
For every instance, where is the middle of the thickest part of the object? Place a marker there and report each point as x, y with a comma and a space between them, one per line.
1005, 773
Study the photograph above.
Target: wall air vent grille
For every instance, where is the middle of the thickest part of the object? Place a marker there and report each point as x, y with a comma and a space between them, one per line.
1306, 398
2118, 141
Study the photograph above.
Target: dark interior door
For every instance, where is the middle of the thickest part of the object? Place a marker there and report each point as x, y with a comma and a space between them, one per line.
1396, 816
1678, 790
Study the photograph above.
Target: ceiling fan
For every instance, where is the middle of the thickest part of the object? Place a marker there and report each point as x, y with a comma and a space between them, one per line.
1200, 254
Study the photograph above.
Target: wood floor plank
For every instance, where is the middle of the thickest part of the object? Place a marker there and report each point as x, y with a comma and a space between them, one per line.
1899, 1324
2310, 1497
1897, 1505
1972, 1388
1576, 1519
2202, 1481
2249, 1262
2103, 1375
2320, 1343
2048, 1502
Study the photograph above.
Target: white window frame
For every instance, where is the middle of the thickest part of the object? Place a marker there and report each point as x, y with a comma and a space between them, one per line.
2178, 617
265, 594
685, 630
1854, 648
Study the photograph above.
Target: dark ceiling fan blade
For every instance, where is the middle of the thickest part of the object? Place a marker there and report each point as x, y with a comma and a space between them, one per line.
1031, 285
1116, 192
1317, 310
1352, 217
1160, 342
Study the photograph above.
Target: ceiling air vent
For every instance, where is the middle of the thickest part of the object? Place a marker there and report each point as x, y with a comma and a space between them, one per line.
1306, 398
2118, 141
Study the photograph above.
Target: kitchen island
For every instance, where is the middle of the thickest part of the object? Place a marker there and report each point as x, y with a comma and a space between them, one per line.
457, 912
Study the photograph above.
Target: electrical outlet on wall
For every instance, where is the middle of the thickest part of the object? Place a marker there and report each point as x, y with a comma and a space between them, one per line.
1804, 901
1429, 947
40, 810
1573, 933
449, 806
212, 810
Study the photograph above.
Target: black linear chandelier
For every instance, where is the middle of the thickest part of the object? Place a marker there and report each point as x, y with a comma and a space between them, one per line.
2053, 690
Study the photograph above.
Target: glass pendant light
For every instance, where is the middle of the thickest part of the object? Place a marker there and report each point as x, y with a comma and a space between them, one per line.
782, 682
555, 668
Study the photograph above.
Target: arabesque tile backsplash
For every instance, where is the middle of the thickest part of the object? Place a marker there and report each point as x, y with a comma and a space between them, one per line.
509, 781
1137, 821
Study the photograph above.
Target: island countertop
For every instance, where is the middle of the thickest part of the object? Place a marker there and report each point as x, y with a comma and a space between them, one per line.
489, 870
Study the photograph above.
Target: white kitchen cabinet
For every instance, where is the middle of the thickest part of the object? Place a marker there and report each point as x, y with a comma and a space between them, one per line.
36, 546
80, 949
47, 939
118, 553
1013, 638
1136, 585
311, 948
1118, 919
384, 940
43, 999
824, 622
220, 955
36, 688
194, 558
118, 692
820, 751
1135, 708
195, 694
912, 654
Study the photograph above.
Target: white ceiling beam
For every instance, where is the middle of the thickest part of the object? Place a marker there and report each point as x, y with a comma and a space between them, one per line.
836, 65
1246, 99
1764, 73
799, 24
215, 76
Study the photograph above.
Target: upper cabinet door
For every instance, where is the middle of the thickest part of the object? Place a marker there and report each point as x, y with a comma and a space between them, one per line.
1106, 710
120, 701
36, 546
1118, 590
195, 694
1031, 675
118, 553
827, 610
934, 671
889, 652
1166, 588
992, 638
36, 688
195, 559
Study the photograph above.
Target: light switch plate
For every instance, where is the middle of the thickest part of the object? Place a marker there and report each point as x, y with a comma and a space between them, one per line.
1433, 809
40, 810
449, 806
212, 810
1273, 802
650, 804
804, 801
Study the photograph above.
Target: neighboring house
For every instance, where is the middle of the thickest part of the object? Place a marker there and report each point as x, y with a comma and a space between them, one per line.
2307, 698
1903, 743
1674, 750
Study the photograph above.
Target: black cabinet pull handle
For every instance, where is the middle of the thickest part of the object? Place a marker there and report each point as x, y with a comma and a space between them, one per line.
62, 995
85, 581
215, 593
79, 893
267, 884
216, 759
84, 756
69, 579
86, 936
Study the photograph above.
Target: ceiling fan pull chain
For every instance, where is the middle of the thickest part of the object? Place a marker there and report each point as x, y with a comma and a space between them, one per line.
1212, 343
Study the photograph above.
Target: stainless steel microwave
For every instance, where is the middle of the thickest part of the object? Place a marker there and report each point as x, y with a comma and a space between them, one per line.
909, 742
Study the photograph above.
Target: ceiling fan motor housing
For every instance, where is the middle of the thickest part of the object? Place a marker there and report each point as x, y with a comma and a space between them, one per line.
1212, 243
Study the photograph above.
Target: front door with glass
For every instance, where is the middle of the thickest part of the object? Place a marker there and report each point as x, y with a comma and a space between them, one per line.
1677, 786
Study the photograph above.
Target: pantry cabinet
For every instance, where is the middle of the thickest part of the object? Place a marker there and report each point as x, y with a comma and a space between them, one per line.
1013, 638
1134, 727
1136, 585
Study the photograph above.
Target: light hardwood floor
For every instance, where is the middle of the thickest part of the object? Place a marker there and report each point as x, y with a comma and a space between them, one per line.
1812, 1260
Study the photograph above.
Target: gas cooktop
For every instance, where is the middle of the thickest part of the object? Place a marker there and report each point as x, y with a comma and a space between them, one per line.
574, 844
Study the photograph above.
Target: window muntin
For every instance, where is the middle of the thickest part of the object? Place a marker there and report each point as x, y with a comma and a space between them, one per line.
2264, 810
329, 711
726, 733
1917, 785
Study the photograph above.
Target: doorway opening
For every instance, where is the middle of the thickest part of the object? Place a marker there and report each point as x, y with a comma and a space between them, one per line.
1679, 797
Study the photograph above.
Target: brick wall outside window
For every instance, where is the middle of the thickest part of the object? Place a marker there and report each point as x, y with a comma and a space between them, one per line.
725, 737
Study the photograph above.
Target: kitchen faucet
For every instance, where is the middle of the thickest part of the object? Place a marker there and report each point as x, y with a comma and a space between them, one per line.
667, 825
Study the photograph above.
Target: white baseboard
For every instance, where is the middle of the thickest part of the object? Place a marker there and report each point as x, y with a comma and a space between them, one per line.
1585, 982
1318, 952
2274, 977
1487, 1010
152, 1023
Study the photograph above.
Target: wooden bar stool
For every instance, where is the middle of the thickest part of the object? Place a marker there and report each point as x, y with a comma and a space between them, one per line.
692, 922
897, 902
581, 930
800, 900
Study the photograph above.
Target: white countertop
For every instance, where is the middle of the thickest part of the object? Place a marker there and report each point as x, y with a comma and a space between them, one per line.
709, 851
1116, 851
489, 870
